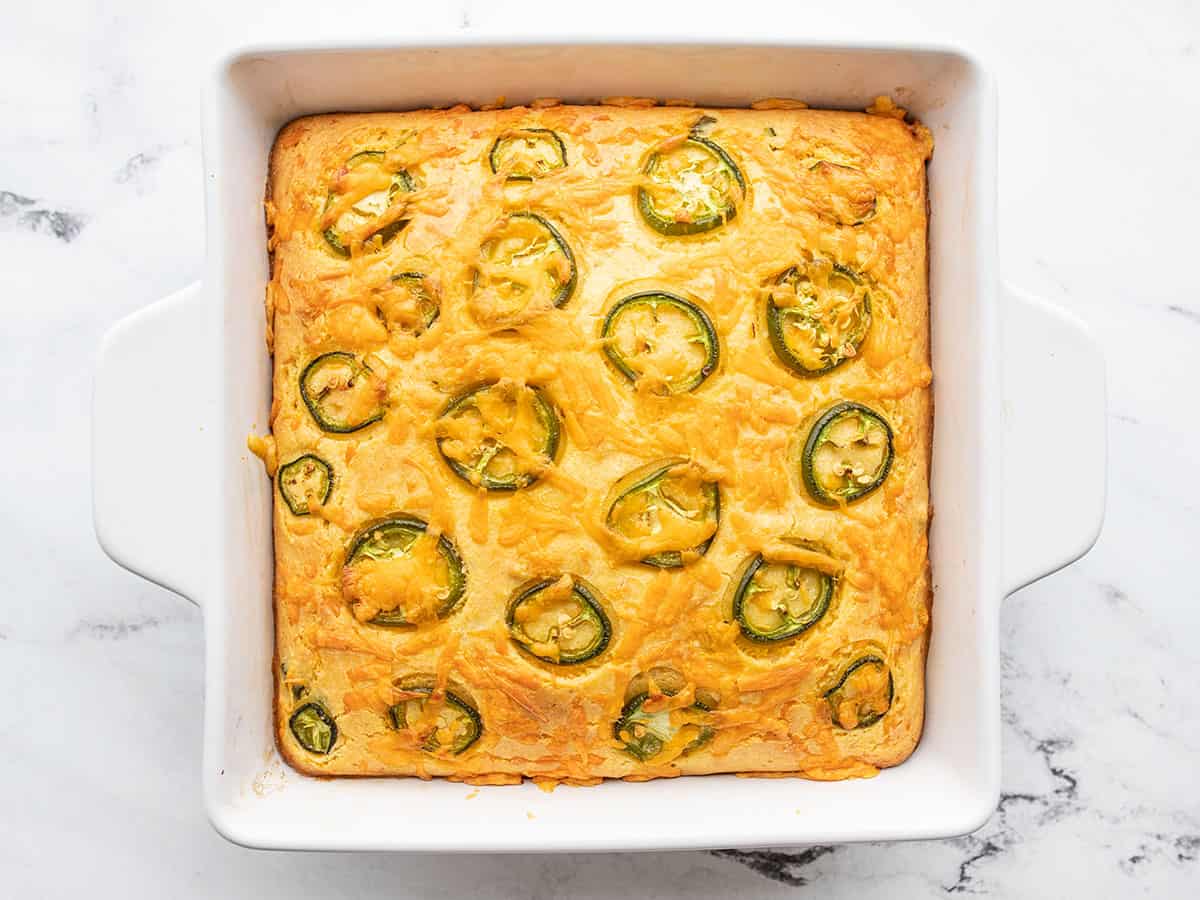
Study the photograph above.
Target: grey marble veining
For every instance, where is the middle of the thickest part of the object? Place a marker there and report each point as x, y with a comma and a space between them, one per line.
25, 212
101, 213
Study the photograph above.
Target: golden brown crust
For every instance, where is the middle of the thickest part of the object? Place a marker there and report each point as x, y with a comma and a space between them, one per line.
742, 426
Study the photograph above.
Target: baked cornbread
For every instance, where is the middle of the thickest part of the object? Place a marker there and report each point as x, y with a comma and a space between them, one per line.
601, 441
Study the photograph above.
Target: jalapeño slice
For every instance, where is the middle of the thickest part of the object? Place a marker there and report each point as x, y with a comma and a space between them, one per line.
370, 165
774, 601
525, 268
342, 392
525, 153
661, 336
499, 436
691, 186
559, 620
848, 454
863, 695
842, 193
313, 728
645, 733
407, 304
446, 723
303, 481
397, 574
668, 506
818, 314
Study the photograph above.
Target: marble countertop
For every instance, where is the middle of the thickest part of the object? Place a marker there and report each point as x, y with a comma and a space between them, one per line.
101, 213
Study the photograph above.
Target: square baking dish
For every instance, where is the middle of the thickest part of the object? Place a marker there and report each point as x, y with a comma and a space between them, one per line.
1008, 368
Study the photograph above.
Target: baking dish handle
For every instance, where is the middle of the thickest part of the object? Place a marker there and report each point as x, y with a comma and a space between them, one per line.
152, 421
1055, 439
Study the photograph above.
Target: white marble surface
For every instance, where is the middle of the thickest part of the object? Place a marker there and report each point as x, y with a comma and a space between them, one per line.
101, 213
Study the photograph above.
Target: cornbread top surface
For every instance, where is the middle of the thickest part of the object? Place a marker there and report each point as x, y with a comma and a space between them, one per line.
363, 206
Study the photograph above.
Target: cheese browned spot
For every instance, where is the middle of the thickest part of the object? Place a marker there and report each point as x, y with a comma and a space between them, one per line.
353, 325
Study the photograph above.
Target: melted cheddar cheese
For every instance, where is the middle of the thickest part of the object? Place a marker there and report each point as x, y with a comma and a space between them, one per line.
821, 187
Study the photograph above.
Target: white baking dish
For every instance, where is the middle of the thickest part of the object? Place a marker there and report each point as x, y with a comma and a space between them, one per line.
183, 382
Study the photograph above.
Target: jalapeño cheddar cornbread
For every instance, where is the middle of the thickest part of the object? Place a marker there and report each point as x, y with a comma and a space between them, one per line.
600, 440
